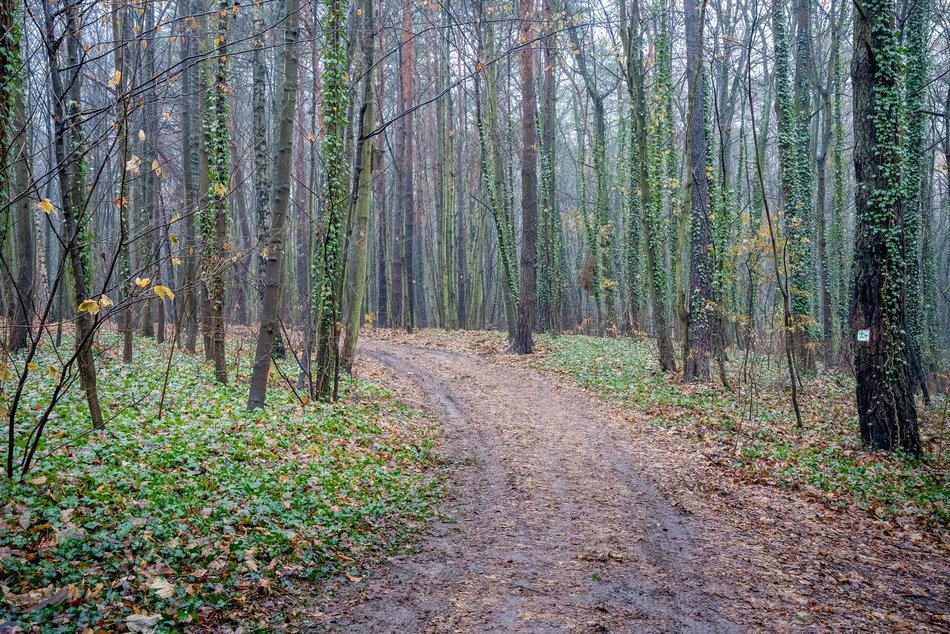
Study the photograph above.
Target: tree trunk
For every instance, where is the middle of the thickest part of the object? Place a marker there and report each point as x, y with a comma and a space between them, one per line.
215, 216
527, 305
699, 320
885, 390
330, 256
364, 193
71, 186
273, 272
407, 187
15, 149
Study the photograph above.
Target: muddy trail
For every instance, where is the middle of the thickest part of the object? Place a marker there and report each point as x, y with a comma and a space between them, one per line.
554, 521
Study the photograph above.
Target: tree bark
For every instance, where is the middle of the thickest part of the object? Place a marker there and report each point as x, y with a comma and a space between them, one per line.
273, 272
885, 392
699, 320
364, 193
70, 178
527, 304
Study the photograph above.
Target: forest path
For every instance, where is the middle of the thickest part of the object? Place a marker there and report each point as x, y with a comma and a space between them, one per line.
549, 524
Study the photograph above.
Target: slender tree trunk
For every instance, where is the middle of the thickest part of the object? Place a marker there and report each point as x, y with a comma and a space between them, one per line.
527, 305
364, 192
550, 230
215, 216
273, 272
70, 177
407, 185
15, 144
699, 320
334, 168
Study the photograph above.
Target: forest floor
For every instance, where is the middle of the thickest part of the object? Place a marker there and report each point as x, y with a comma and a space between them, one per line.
568, 513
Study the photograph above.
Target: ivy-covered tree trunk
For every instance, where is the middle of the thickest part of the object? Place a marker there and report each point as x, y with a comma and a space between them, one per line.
215, 216
882, 364
327, 285
549, 270
800, 219
492, 181
527, 304
825, 142
273, 271
645, 198
838, 252
917, 157
699, 320
793, 144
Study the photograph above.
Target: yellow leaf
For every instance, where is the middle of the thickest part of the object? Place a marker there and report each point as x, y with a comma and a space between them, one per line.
104, 301
142, 135
116, 78
132, 165
156, 168
54, 371
45, 205
176, 261
220, 189
5, 373
173, 238
90, 306
164, 292
142, 282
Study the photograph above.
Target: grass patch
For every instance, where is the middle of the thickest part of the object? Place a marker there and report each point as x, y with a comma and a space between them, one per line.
174, 521
756, 429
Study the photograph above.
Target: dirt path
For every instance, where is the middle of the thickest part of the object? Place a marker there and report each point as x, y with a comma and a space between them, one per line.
563, 515
550, 527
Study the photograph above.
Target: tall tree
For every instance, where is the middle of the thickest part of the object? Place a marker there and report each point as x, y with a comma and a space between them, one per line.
699, 320
363, 186
214, 218
885, 387
549, 263
66, 106
407, 185
917, 157
273, 272
329, 257
791, 102
15, 185
527, 305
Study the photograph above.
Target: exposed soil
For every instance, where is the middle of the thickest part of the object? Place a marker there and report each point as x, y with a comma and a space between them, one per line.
563, 516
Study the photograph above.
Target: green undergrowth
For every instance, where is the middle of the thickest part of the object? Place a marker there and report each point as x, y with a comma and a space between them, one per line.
826, 459
167, 523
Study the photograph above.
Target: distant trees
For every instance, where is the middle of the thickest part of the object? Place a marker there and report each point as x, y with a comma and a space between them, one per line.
538, 167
